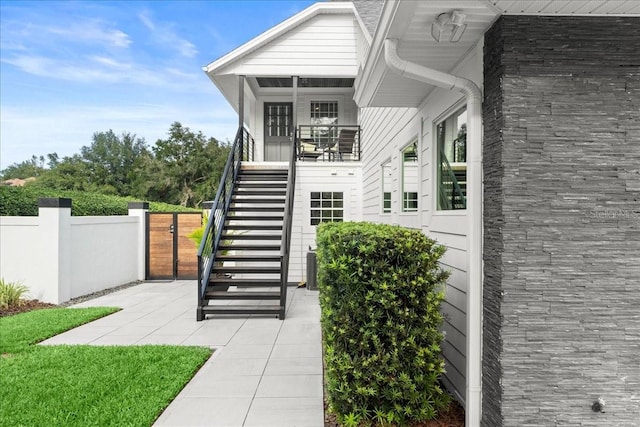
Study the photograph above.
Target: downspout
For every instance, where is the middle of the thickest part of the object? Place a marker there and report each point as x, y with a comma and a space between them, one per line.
473, 398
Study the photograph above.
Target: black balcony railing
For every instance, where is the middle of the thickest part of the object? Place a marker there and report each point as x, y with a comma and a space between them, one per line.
329, 143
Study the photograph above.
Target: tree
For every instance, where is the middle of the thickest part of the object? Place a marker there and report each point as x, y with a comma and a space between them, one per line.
33, 167
113, 161
70, 173
186, 167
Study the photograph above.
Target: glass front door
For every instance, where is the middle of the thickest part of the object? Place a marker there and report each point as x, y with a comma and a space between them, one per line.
278, 130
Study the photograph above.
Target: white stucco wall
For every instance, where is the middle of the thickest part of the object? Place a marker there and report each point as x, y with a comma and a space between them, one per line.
104, 253
59, 257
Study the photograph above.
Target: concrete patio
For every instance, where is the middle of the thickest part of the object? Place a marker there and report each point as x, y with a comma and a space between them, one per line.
264, 371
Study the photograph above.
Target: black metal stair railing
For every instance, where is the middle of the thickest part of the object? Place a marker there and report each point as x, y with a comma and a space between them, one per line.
451, 194
286, 227
243, 148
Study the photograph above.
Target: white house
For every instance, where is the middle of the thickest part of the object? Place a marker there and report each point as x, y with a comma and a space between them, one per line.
508, 131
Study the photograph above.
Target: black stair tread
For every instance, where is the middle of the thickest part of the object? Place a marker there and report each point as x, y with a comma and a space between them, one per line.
256, 208
249, 171
257, 184
244, 247
243, 309
268, 283
249, 258
253, 227
264, 192
253, 178
226, 236
255, 218
241, 295
272, 200
246, 270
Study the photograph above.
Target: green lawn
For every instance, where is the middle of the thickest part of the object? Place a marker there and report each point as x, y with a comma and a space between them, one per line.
85, 385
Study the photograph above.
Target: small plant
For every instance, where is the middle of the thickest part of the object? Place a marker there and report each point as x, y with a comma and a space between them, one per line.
11, 293
196, 235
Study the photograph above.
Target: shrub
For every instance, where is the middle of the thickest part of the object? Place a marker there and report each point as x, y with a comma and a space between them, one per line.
11, 293
23, 201
380, 293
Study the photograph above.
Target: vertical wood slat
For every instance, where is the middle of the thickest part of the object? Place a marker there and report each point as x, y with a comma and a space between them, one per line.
187, 251
160, 248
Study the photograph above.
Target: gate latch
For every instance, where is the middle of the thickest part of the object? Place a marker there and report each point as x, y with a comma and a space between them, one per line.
171, 229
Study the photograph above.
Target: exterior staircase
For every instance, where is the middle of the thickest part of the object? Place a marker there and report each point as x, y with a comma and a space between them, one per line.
248, 272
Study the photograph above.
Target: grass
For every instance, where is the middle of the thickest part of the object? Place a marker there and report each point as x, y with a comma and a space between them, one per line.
85, 385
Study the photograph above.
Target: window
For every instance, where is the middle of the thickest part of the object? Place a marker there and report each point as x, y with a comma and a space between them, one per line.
326, 206
324, 117
386, 187
451, 135
410, 177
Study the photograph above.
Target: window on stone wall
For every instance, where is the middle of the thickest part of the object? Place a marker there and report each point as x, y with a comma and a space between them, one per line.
326, 206
451, 136
386, 187
409, 157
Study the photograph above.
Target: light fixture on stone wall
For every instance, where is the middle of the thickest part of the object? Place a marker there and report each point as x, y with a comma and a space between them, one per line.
449, 24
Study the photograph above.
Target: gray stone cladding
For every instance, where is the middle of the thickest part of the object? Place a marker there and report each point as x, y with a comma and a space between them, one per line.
369, 11
561, 221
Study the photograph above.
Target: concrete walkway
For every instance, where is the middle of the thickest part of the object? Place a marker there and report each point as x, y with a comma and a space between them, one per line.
264, 372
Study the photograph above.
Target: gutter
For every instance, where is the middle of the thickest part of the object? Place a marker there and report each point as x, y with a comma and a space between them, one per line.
473, 392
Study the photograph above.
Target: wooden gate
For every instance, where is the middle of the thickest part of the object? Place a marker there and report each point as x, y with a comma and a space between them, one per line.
170, 253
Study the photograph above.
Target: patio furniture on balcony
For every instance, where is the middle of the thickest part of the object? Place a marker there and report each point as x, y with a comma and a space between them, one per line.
308, 150
329, 143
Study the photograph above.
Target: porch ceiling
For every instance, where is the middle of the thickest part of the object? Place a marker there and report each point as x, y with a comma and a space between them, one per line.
410, 23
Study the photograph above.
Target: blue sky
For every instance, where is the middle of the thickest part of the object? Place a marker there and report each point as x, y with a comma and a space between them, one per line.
72, 68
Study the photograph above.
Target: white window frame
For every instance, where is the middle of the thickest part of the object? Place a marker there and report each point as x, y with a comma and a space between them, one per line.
403, 209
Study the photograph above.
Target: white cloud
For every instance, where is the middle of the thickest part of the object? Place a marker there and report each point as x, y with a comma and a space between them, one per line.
163, 34
110, 62
91, 31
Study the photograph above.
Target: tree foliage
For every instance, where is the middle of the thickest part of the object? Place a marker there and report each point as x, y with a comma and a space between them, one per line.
186, 167
183, 169
33, 167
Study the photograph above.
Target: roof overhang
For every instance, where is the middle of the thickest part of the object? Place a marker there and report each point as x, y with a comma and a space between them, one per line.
409, 22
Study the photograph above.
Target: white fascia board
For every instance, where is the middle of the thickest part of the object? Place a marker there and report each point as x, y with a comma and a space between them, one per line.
279, 30
392, 24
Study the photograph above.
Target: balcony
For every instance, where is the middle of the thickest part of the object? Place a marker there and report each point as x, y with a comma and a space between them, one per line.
328, 143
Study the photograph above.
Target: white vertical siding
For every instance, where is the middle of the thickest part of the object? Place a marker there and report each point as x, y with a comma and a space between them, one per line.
385, 131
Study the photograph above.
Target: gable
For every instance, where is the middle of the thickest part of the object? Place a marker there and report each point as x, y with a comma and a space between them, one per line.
324, 45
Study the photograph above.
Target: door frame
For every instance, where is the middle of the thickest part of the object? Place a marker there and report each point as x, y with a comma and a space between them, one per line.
265, 125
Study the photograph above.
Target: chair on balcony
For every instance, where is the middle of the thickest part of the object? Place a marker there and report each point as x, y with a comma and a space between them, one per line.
346, 141
308, 150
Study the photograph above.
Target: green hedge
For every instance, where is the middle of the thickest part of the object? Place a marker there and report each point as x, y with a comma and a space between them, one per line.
380, 294
23, 201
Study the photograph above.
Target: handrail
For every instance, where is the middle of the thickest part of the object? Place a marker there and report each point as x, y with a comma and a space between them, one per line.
243, 148
456, 190
285, 244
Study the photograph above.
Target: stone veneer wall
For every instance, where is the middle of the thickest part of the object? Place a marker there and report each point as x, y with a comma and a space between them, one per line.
562, 221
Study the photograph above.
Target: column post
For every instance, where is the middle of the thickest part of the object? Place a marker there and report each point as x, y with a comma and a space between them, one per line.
140, 210
55, 240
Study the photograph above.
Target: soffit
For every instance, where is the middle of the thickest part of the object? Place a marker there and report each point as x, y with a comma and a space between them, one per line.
410, 23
